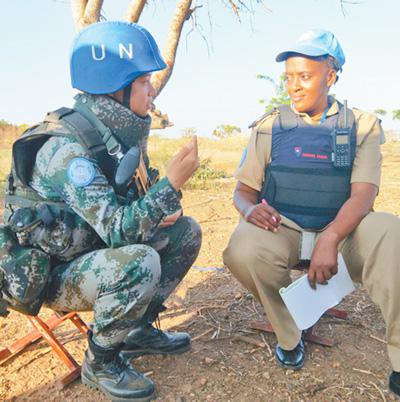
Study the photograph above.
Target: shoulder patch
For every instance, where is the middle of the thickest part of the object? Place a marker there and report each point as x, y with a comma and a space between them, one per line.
243, 158
81, 172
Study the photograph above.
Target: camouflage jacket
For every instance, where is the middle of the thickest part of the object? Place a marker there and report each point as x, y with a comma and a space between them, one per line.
65, 172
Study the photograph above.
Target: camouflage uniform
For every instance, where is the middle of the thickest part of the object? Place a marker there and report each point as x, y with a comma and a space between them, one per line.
114, 260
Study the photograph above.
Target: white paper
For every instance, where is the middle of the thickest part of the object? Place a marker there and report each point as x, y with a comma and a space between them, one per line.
306, 305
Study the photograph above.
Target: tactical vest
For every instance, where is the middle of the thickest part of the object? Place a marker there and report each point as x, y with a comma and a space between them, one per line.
25, 267
301, 181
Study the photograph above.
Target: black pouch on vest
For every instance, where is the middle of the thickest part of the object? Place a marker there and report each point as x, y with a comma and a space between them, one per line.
39, 227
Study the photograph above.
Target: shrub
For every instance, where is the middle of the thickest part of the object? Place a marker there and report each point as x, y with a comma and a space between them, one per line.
205, 176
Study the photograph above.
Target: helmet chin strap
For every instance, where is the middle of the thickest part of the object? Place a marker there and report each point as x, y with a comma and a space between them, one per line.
126, 99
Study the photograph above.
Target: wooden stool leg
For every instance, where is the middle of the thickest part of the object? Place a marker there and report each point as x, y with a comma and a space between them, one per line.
41, 329
63, 354
311, 337
308, 334
30, 338
337, 313
79, 323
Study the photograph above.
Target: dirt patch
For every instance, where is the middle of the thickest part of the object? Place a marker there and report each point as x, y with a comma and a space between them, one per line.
228, 360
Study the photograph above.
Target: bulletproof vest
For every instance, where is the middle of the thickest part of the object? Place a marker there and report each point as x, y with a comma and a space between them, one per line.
301, 181
25, 270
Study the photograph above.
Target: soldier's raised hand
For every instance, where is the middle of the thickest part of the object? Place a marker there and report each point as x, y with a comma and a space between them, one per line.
181, 167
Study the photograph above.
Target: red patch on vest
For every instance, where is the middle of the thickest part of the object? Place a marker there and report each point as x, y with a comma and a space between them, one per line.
314, 156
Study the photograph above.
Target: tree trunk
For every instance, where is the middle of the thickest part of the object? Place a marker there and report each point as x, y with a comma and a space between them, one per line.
78, 10
135, 9
85, 12
182, 13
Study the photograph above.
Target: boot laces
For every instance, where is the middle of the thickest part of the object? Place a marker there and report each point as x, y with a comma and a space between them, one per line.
157, 322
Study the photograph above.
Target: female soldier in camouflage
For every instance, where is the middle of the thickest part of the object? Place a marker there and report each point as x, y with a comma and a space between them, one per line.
116, 254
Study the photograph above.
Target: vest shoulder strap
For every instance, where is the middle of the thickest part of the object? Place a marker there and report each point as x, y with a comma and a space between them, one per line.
56, 115
91, 139
79, 127
69, 122
287, 118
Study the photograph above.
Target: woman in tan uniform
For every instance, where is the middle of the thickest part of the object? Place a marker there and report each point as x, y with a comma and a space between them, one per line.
314, 166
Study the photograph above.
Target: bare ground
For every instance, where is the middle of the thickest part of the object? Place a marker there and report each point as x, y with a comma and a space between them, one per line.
228, 361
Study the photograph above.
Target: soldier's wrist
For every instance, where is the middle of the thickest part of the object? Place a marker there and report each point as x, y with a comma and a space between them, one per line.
174, 183
164, 195
331, 236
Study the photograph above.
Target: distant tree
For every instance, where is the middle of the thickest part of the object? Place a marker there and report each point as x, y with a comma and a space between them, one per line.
380, 112
189, 131
4, 123
396, 114
226, 130
281, 96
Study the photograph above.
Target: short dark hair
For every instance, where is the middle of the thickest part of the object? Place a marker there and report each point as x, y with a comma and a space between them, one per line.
331, 63
330, 60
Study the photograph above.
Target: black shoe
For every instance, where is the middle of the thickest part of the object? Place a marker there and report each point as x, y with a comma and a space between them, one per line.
394, 382
147, 340
291, 359
105, 369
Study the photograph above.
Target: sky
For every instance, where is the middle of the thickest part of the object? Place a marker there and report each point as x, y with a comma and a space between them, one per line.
215, 76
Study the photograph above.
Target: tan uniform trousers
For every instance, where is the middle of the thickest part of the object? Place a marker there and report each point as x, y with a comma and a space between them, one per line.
261, 260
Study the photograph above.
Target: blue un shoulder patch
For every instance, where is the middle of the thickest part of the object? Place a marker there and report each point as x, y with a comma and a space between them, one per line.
243, 158
81, 172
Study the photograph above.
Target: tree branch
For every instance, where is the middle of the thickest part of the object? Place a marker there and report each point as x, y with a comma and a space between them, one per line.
85, 12
135, 9
93, 10
182, 13
78, 10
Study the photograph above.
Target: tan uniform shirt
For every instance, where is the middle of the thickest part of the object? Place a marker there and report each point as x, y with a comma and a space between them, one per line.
366, 165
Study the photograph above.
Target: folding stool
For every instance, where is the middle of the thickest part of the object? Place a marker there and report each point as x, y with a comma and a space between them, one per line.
42, 329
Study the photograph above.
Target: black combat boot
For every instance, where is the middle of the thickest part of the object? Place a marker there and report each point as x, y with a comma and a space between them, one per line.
291, 359
105, 369
146, 340
394, 382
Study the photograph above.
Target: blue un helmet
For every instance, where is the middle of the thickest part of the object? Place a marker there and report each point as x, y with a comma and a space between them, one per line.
107, 56
316, 42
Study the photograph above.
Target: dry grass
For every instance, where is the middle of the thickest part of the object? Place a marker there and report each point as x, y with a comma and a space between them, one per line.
5, 162
224, 154
220, 158
389, 194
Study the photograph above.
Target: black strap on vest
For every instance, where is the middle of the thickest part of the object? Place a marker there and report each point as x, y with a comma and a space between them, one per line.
88, 136
287, 118
286, 115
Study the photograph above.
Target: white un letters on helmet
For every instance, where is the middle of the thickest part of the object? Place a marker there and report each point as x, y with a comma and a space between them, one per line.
122, 50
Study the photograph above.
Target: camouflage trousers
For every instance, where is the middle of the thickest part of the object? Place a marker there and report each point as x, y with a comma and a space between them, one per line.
119, 284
